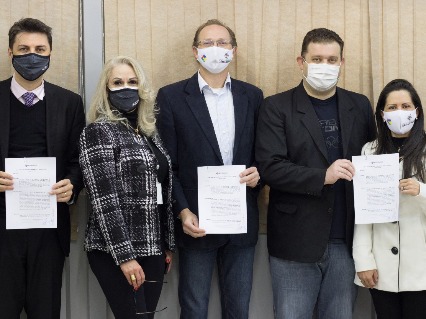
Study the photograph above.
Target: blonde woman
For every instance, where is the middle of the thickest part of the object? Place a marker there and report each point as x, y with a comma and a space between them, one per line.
127, 173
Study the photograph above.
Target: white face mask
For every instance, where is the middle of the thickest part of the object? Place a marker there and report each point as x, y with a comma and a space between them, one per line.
322, 77
399, 121
214, 59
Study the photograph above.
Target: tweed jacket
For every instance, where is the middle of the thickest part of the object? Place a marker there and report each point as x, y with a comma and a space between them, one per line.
120, 173
396, 250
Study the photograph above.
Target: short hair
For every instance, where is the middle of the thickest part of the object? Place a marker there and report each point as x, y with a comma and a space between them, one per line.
214, 22
101, 109
321, 35
29, 25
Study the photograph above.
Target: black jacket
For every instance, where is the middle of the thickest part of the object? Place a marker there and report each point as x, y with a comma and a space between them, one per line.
185, 126
64, 122
292, 157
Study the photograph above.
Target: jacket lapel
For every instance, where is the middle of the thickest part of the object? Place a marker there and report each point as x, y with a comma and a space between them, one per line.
4, 118
310, 119
345, 107
51, 118
198, 107
240, 100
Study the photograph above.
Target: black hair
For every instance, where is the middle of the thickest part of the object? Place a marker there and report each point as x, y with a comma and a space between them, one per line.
321, 35
413, 150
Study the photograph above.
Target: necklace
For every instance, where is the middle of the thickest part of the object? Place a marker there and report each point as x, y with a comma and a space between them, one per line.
398, 143
135, 130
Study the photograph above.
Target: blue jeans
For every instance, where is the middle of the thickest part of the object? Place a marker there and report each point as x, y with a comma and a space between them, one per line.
328, 284
235, 272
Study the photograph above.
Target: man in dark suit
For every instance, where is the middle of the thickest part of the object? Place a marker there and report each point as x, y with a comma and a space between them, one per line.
305, 140
209, 120
38, 119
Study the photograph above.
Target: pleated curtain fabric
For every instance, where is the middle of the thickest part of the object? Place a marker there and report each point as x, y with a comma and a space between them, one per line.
383, 38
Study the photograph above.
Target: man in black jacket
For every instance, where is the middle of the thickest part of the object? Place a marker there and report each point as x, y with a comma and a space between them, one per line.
38, 119
306, 138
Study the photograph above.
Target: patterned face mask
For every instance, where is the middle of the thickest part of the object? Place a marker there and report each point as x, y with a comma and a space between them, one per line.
400, 121
214, 59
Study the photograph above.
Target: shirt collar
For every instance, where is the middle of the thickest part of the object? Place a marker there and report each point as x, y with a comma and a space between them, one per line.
202, 83
18, 90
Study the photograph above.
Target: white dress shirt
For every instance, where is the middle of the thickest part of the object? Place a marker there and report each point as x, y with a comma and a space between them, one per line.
221, 108
18, 91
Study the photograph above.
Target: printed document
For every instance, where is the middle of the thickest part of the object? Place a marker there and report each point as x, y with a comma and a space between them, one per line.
29, 204
376, 188
222, 207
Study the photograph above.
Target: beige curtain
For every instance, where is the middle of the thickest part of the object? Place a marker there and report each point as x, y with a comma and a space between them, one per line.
384, 39
63, 17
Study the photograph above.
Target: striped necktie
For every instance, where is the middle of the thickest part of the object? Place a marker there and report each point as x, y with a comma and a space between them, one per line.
28, 98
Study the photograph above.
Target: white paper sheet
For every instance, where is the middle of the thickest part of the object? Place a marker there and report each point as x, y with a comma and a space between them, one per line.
222, 207
376, 188
29, 204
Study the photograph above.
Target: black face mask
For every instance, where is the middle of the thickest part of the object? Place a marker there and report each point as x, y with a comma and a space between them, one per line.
125, 100
31, 66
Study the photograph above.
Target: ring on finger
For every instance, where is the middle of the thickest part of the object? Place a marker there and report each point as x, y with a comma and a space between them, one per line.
133, 277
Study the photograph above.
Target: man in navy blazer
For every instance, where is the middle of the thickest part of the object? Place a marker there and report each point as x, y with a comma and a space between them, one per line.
209, 120
305, 141
38, 119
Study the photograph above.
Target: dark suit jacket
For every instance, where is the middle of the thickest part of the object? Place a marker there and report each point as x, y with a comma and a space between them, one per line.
292, 157
65, 121
187, 131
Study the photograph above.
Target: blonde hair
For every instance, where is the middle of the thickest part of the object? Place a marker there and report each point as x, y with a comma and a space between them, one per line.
101, 109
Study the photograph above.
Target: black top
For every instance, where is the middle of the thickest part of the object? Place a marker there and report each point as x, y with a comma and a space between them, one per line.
27, 122
398, 142
328, 117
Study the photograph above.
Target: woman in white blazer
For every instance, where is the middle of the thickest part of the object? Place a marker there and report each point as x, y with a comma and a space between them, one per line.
390, 258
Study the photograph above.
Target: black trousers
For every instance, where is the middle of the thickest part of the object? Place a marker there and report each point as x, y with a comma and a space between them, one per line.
31, 265
124, 302
401, 305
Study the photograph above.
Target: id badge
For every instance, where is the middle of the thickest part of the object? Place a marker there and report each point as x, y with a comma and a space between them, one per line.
159, 193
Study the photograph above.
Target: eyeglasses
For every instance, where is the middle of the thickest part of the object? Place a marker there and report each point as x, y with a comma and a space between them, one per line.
136, 306
209, 43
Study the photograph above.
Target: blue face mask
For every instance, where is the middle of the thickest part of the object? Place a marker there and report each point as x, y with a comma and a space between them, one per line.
30, 66
125, 100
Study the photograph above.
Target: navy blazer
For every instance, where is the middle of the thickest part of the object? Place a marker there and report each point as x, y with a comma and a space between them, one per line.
187, 130
65, 121
292, 157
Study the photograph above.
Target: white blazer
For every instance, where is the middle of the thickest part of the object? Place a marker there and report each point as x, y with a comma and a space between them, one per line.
397, 250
